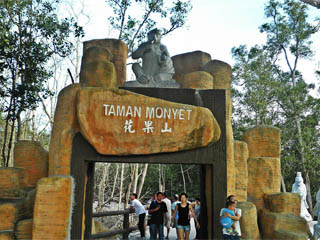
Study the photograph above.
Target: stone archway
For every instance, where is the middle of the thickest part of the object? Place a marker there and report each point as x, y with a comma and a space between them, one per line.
211, 158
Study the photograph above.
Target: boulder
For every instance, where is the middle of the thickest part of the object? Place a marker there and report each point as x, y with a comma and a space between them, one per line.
6, 235
64, 128
188, 62
24, 229
285, 235
119, 51
52, 210
10, 213
11, 183
248, 221
221, 73
33, 159
264, 176
97, 71
263, 141
119, 122
283, 202
271, 223
241, 170
198, 79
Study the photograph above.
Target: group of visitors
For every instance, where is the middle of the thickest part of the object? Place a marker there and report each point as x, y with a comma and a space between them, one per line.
162, 213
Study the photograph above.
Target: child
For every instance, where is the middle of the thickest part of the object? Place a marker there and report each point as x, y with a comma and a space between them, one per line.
226, 219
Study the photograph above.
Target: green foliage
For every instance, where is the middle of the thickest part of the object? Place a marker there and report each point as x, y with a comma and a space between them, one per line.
266, 93
30, 34
134, 18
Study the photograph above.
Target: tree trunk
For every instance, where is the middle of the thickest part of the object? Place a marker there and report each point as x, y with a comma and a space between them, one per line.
136, 178
121, 185
283, 185
303, 160
144, 173
127, 195
102, 187
183, 178
115, 181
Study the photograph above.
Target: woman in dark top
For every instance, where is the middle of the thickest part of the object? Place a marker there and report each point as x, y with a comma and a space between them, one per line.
184, 209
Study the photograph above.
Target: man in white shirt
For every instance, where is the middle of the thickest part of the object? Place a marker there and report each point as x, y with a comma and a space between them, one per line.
167, 216
140, 211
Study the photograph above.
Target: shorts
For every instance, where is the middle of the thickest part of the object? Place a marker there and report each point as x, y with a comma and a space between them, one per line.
167, 220
184, 228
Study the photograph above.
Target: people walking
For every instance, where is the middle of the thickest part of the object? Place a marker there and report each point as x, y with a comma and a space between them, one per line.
167, 216
140, 211
174, 224
197, 213
184, 209
157, 211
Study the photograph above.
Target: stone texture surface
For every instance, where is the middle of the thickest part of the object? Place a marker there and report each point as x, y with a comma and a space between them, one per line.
24, 229
283, 202
264, 176
119, 51
188, 62
64, 127
197, 129
248, 221
11, 183
285, 235
6, 235
221, 73
52, 211
33, 158
98, 72
263, 141
28, 204
231, 170
241, 170
10, 213
198, 79
287, 222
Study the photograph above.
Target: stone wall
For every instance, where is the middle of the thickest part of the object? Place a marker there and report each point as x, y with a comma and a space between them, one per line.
198, 70
17, 189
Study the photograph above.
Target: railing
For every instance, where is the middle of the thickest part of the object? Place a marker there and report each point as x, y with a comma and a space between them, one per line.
126, 226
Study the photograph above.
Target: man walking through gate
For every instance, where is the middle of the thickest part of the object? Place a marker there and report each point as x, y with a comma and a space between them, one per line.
140, 211
158, 210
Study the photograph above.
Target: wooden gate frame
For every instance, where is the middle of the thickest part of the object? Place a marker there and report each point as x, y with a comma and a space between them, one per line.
213, 174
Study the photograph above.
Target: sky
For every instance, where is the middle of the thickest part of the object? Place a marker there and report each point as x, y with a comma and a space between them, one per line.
213, 26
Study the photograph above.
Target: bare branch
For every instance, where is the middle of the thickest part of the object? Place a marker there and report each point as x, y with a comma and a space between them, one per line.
314, 3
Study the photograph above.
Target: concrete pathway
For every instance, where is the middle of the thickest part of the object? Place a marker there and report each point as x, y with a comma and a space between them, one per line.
172, 234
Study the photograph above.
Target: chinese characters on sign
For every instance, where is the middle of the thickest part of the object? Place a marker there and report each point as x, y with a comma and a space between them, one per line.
150, 113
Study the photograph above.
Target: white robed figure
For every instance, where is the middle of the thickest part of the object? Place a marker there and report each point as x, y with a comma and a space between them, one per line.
300, 188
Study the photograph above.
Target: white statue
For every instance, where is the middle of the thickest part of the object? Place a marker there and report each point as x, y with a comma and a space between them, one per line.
316, 211
300, 188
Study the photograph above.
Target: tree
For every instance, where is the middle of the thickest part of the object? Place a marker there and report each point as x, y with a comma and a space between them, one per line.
30, 34
287, 99
314, 3
134, 18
